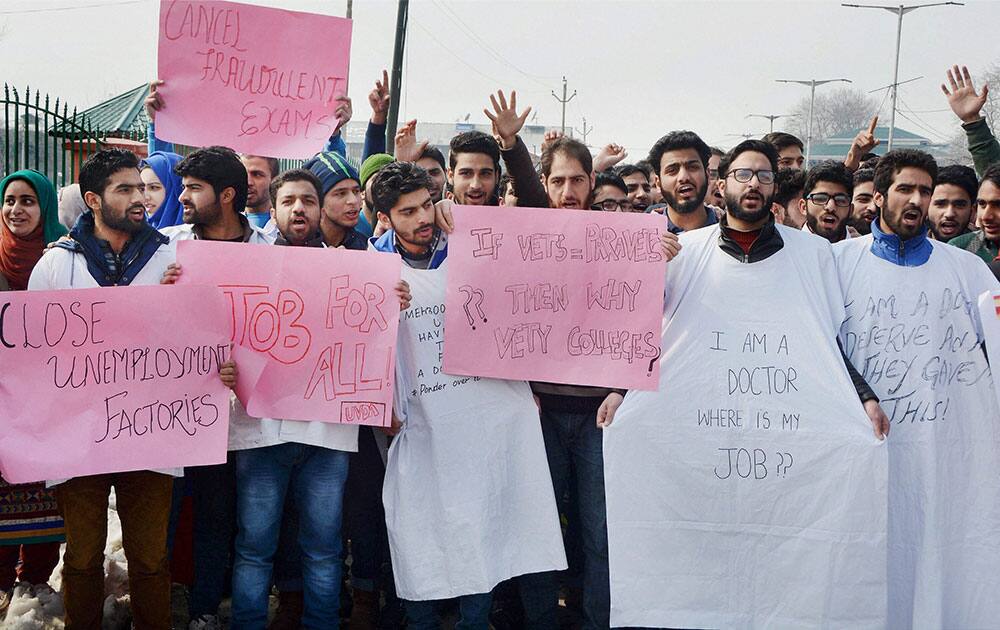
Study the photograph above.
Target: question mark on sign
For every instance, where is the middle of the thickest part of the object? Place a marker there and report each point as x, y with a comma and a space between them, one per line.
649, 370
782, 464
478, 296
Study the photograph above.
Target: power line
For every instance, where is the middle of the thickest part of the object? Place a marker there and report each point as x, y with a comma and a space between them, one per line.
454, 55
77, 6
469, 32
920, 122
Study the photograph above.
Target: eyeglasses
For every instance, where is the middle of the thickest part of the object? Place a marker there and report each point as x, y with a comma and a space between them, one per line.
744, 175
841, 200
613, 205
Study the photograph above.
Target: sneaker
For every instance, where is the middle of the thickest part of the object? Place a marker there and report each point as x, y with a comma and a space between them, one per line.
205, 622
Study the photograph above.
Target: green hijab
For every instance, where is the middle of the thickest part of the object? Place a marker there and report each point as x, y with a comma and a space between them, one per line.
47, 201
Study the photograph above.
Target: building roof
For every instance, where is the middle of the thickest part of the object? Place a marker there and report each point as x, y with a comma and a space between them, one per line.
835, 147
118, 116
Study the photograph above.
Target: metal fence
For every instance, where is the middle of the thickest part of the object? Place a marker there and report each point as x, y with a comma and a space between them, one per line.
29, 139
44, 134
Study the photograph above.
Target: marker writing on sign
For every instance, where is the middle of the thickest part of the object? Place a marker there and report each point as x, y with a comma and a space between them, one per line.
474, 299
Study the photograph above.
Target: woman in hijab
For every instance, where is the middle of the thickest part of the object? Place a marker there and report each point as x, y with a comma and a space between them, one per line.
30, 526
163, 186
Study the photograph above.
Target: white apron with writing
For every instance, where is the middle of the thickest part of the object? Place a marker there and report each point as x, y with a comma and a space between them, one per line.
750, 490
468, 497
914, 333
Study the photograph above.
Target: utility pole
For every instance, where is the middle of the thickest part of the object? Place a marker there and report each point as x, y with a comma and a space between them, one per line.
563, 100
900, 11
585, 131
812, 83
350, 9
770, 117
396, 80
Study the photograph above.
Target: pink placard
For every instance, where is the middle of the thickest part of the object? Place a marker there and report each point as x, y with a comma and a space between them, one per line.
563, 296
317, 327
111, 380
255, 79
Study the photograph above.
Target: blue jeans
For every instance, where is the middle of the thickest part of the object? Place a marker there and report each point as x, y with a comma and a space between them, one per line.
473, 613
574, 447
316, 477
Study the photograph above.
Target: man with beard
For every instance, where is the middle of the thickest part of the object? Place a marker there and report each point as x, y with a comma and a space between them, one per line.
364, 520
637, 182
942, 530
214, 190
113, 245
681, 160
789, 150
984, 242
952, 202
278, 458
212, 198
341, 188
443, 483
744, 274
826, 201
260, 172
788, 187
567, 174
863, 208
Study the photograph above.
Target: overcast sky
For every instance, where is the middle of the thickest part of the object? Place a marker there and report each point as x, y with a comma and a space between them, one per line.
640, 68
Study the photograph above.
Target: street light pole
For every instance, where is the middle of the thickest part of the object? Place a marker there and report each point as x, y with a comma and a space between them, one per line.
900, 11
812, 83
770, 117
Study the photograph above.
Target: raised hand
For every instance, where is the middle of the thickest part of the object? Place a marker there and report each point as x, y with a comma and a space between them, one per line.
962, 97
378, 98
864, 142
608, 156
407, 147
343, 112
506, 121
153, 102
550, 136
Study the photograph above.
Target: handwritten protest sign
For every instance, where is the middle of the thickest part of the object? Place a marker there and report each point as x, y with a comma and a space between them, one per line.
753, 471
256, 79
564, 296
323, 320
111, 380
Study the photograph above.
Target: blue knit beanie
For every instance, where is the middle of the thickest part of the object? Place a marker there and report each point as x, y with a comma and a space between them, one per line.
331, 169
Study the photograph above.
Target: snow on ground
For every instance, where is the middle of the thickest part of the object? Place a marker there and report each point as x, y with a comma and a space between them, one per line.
42, 608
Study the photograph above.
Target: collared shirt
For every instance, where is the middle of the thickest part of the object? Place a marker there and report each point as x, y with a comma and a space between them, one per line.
710, 219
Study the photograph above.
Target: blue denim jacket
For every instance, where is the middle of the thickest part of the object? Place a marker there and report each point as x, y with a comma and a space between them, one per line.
912, 252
